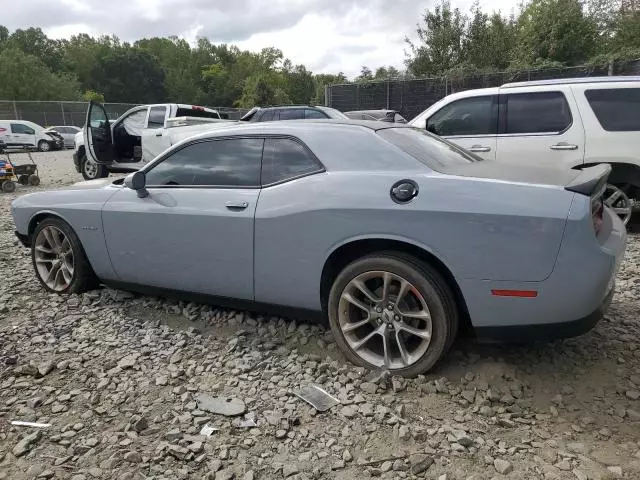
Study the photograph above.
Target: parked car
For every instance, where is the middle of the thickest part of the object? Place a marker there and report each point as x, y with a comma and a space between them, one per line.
397, 236
67, 132
377, 115
22, 134
133, 139
571, 123
292, 112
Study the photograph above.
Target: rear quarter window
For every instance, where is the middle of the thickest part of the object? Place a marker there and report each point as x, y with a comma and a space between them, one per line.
617, 109
429, 149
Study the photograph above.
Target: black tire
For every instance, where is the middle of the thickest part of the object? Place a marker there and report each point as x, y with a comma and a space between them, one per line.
33, 180
8, 186
430, 284
23, 179
101, 170
44, 146
83, 277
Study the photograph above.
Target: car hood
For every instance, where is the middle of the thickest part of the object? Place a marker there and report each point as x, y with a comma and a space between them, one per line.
509, 172
92, 184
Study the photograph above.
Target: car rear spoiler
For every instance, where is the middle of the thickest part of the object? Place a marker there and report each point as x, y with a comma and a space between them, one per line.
591, 180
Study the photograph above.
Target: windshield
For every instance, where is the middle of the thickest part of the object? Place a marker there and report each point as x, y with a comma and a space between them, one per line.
333, 113
427, 148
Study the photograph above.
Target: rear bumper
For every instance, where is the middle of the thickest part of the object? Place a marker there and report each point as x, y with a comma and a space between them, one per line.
545, 331
567, 303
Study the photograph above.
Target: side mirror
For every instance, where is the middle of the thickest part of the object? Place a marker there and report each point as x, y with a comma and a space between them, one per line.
137, 181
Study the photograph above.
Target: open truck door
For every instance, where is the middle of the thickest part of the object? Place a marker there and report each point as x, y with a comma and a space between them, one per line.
97, 134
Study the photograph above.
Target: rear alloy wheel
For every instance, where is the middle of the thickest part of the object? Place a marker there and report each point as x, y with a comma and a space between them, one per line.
58, 258
92, 170
44, 146
619, 202
392, 312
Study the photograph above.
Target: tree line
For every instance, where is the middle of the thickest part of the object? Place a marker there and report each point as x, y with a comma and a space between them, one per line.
543, 33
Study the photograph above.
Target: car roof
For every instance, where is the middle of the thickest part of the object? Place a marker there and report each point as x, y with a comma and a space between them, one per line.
373, 110
569, 81
277, 107
284, 127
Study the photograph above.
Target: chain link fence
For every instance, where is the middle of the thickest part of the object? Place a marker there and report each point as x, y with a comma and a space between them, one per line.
74, 113
411, 97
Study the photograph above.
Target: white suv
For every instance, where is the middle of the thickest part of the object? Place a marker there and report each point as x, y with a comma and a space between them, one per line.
566, 122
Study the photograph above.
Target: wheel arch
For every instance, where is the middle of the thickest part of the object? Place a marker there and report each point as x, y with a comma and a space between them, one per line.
621, 172
352, 249
39, 217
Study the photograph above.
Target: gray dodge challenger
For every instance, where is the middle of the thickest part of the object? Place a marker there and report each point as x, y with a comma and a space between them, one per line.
399, 238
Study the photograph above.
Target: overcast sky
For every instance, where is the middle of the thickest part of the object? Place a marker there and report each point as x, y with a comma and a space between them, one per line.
325, 35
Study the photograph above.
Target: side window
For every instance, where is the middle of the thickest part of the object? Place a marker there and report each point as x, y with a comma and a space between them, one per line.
284, 159
292, 114
156, 117
227, 163
469, 116
311, 114
267, 116
536, 112
20, 128
617, 109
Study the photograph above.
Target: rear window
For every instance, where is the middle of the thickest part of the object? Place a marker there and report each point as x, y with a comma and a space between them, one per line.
190, 112
617, 109
427, 148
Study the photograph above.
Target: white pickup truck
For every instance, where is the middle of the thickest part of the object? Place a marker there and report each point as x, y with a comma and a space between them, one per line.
136, 137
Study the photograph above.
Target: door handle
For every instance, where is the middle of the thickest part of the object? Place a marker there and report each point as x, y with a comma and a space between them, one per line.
236, 205
563, 146
479, 148
158, 134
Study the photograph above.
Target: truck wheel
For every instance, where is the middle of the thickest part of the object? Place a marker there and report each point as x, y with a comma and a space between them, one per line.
44, 146
33, 180
618, 201
92, 170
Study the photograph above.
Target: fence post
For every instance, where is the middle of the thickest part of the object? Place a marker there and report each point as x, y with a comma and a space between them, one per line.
357, 96
15, 110
64, 118
610, 72
326, 96
388, 100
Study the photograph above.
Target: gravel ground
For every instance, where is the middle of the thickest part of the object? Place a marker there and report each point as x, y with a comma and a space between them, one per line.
126, 384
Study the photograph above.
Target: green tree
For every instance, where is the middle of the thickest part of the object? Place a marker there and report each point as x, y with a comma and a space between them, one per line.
299, 84
90, 95
384, 73
365, 74
28, 78
554, 31
440, 45
33, 41
128, 74
488, 41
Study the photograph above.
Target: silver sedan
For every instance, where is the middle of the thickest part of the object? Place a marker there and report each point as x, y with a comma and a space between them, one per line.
397, 237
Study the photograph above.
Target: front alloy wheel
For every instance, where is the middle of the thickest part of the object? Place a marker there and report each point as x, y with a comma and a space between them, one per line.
54, 258
619, 202
58, 258
44, 146
392, 312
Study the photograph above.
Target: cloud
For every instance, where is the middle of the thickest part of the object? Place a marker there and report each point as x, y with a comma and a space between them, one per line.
325, 35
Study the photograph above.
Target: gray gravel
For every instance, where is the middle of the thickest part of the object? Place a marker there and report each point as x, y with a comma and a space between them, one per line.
122, 379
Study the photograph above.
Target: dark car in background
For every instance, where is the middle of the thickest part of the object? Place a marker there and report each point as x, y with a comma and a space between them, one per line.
292, 112
391, 116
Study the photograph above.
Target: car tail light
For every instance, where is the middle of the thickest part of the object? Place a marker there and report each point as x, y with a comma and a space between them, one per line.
597, 210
